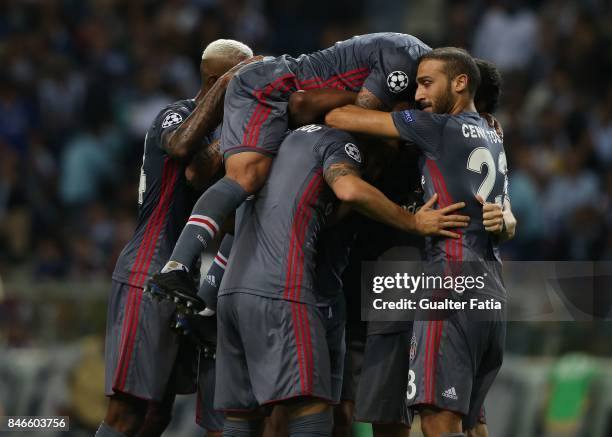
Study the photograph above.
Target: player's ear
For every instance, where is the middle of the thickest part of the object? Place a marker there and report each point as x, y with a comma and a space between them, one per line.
460, 83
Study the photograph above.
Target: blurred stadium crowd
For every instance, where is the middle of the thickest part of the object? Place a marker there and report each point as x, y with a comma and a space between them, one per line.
82, 80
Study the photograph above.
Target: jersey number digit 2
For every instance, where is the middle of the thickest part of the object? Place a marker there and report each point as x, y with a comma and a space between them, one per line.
482, 156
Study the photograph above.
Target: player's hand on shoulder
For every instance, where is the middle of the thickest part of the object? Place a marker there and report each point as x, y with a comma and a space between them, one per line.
430, 221
229, 74
493, 123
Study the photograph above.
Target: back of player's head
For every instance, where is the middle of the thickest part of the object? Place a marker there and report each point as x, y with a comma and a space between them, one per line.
457, 61
489, 91
227, 48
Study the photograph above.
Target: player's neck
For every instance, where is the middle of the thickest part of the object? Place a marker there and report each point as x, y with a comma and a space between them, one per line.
462, 105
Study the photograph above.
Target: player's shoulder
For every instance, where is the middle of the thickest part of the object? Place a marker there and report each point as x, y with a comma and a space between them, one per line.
416, 116
174, 113
386, 39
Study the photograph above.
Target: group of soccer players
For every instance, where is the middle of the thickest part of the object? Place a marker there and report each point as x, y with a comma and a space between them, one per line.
296, 204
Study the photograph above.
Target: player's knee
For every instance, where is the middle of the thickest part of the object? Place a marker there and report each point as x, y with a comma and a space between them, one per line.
435, 422
249, 169
306, 407
317, 423
242, 425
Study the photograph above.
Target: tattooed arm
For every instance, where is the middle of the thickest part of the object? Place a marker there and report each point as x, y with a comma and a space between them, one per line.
367, 100
184, 141
348, 186
205, 167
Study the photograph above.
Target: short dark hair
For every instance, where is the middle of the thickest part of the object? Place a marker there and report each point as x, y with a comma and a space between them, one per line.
489, 91
457, 61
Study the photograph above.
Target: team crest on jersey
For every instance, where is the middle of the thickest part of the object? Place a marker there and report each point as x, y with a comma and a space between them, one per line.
397, 81
171, 119
353, 151
413, 347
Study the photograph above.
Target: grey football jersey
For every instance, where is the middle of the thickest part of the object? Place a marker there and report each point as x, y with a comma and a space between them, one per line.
164, 201
383, 63
275, 243
461, 157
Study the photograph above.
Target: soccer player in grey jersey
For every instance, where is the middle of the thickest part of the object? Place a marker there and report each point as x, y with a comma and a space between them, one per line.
462, 159
141, 352
272, 339
377, 66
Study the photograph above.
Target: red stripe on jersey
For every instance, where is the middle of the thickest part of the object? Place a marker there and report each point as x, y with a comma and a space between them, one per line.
260, 114
320, 83
248, 133
289, 279
426, 360
296, 258
152, 234
455, 251
344, 81
439, 326
302, 233
305, 325
129, 310
297, 220
298, 342
282, 86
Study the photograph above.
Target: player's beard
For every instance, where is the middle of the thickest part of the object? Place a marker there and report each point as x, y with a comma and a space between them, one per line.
444, 104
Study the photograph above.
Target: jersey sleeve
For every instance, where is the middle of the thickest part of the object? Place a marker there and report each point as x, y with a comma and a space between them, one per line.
423, 129
338, 147
169, 119
392, 73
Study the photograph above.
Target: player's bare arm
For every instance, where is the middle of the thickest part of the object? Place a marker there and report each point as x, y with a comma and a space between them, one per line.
352, 118
184, 141
204, 166
366, 99
498, 220
349, 187
307, 107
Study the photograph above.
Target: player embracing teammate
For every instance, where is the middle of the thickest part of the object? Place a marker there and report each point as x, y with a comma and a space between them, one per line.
455, 360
